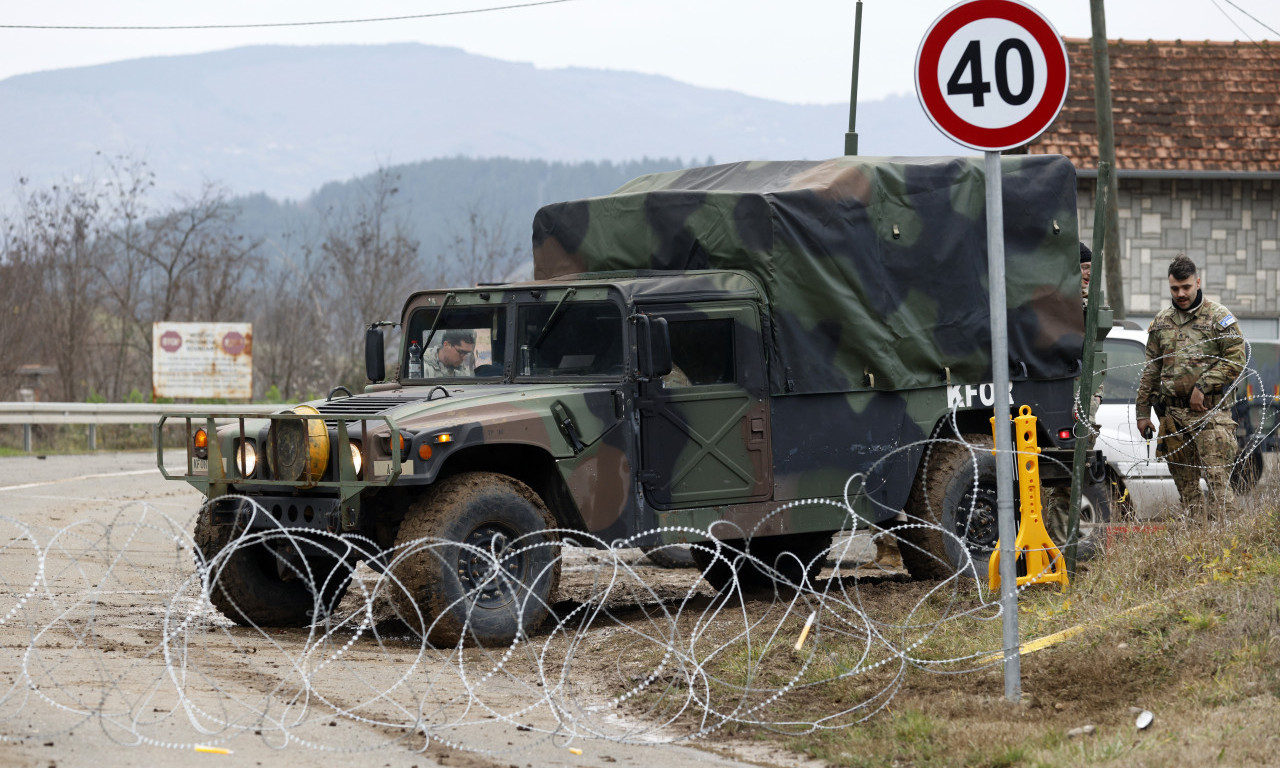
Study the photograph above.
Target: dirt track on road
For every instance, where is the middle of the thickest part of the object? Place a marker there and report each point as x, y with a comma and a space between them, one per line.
113, 659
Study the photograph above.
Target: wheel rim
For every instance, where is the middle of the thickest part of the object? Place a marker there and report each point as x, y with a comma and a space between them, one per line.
977, 520
1088, 517
486, 548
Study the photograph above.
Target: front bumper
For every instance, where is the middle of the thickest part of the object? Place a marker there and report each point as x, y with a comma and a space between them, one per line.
338, 489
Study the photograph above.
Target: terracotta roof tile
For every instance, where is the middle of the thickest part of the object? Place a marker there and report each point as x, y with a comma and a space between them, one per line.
1177, 106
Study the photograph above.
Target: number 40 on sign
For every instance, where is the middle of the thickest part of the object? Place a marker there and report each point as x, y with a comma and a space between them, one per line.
992, 74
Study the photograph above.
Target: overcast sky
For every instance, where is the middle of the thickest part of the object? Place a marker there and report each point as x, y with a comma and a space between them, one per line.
789, 50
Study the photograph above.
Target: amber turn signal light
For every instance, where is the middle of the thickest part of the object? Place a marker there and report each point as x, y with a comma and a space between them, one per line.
424, 452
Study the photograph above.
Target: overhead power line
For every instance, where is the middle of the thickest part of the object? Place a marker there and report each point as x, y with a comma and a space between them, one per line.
1234, 23
329, 22
1256, 44
1255, 18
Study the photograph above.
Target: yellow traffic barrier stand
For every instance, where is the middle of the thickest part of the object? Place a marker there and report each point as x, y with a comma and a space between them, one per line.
1040, 556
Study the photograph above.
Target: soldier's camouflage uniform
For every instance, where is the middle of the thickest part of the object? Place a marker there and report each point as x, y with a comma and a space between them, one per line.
433, 368
1200, 347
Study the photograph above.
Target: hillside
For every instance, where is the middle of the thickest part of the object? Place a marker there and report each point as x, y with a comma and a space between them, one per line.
286, 120
435, 197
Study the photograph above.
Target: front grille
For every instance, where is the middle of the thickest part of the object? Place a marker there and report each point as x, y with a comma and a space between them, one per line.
362, 405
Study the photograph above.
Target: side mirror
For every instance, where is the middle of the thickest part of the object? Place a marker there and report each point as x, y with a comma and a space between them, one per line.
375, 362
653, 346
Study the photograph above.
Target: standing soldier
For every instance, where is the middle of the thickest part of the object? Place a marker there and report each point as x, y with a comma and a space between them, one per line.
1057, 500
1195, 352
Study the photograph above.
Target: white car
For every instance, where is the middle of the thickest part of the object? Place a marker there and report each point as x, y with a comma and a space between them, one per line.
1140, 483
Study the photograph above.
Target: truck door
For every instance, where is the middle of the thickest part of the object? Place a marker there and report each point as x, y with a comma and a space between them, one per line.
704, 428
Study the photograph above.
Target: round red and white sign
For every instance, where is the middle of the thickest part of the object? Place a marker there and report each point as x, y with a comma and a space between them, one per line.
233, 343
171, 341
992, 74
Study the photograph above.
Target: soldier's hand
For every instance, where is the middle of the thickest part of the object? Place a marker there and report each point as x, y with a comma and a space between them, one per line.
1197, 401
1146, 428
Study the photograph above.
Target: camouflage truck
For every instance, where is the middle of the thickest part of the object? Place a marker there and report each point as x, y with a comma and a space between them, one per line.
700, 347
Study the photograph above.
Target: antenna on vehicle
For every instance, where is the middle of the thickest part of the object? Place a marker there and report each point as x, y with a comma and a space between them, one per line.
851, 138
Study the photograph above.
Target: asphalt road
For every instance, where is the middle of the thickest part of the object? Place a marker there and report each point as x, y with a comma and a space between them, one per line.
87, 640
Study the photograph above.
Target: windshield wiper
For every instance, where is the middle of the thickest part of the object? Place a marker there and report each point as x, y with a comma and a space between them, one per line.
431, 334
555, 316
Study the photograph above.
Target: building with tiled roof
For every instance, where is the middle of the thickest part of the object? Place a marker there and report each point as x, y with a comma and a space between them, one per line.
1197, 135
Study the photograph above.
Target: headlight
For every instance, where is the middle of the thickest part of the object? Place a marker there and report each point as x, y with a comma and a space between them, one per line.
357, 460
299, 448
247, 458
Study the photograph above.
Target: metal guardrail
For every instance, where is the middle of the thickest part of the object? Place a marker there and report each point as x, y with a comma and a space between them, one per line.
93, 414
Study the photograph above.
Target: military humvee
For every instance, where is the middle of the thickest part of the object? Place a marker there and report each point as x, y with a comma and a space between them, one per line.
700, 347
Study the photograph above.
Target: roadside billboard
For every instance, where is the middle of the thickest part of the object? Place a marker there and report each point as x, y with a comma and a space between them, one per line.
202, 360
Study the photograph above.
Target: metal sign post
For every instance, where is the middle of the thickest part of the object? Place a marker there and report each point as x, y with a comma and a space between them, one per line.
1005, 479
992, 75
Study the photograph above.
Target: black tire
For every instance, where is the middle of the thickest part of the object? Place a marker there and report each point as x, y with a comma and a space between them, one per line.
945, 495
1247, 472
270, 579
446, 589
1096, 506
669, 556
790, 559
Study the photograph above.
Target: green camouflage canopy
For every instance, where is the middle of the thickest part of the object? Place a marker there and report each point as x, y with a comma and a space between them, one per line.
875, 268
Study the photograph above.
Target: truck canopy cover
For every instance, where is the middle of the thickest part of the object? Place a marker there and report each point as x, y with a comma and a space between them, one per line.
875, 268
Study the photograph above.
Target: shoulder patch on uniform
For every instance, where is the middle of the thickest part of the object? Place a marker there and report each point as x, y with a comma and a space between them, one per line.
1227, 321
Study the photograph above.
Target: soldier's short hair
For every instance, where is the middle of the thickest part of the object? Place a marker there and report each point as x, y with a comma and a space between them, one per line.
456, 336
1182, 267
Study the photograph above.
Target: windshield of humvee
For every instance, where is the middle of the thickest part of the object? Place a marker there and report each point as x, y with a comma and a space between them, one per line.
465, 342
552, 340
569, 339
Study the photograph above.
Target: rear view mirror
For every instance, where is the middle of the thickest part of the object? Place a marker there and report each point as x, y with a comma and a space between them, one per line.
375, 363
653, 346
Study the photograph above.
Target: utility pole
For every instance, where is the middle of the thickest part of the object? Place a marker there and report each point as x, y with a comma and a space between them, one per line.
1114, 274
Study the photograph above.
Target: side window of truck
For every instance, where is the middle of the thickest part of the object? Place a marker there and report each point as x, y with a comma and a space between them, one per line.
701, 353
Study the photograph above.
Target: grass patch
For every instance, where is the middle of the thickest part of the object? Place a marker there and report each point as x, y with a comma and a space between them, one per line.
1183, 621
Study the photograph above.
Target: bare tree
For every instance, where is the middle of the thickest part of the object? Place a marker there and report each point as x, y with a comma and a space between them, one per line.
19, 291
198, 264
481, 247
59, 234
371, 262
291, 329
122, 272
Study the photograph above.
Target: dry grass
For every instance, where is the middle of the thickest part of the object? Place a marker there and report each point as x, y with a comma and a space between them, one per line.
1183, 621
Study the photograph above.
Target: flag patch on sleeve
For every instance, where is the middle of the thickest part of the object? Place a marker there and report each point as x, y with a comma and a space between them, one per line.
1227, 321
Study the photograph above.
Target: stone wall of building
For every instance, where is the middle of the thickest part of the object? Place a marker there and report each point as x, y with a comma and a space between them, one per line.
1228, 226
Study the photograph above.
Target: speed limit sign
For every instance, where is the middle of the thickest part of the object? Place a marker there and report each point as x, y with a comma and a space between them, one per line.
992, 74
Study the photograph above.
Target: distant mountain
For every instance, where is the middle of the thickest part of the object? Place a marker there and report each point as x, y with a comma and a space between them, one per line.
285, 120
435, 197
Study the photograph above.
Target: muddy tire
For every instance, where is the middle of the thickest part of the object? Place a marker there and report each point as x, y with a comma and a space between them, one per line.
769, 550
1096, 506
670, 556
945, 495
487, 567
269, 579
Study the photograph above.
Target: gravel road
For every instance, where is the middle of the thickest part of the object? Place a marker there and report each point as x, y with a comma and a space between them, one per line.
111, 660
